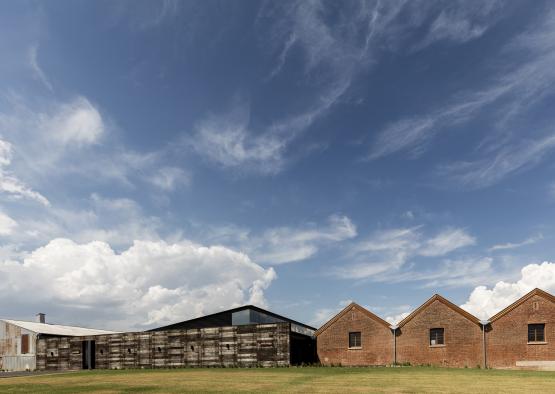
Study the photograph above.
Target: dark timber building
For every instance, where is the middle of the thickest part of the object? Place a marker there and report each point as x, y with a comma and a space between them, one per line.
247, 336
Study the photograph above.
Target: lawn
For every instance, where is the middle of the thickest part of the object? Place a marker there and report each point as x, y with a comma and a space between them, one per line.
291, 380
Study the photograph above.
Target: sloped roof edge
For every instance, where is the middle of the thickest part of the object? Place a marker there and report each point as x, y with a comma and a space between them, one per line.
522, 299
56, 329
446, 302
347, 309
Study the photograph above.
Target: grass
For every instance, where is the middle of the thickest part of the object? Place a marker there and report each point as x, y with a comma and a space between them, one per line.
291, 380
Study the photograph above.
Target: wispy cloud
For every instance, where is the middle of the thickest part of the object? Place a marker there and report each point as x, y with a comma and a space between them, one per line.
516, 90
281, 245
9, 183
385, 253
506, 160
334, 51
35, 67
510, 245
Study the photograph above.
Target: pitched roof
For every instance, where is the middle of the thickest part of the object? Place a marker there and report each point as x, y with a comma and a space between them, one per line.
347, 309
224, 318
446, 302
521, 300
55, 329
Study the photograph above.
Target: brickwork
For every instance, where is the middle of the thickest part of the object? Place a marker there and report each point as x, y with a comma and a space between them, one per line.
507, 340
376, 339
462, 338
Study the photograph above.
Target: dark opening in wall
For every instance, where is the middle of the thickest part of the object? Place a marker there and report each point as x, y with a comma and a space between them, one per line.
192, 348
159, 349
227, 346
128, 350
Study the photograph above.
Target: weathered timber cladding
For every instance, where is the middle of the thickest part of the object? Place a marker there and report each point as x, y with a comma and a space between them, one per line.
246, 346
507, 338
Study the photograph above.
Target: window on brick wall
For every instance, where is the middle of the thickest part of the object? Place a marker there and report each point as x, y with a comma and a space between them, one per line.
355, 339
536, 332
437, 337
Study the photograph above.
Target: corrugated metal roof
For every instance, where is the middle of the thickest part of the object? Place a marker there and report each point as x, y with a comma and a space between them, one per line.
55, 329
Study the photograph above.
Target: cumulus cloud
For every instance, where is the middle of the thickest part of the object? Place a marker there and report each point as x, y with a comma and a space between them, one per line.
149, 283
485, 302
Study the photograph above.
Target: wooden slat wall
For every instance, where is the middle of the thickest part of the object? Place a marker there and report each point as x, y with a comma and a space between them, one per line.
265, 345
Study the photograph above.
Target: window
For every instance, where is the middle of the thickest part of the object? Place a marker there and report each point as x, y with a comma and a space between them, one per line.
25, 344
536, 332
355, 340
437, 337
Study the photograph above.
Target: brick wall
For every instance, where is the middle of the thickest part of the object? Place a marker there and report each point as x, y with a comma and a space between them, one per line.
507, 340
377, 340
463, 338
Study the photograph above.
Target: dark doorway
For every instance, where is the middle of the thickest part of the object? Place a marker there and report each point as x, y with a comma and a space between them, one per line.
88, 351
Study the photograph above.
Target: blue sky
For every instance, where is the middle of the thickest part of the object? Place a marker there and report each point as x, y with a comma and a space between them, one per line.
162, 160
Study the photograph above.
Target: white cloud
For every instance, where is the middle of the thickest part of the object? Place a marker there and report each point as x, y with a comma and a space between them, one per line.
169, 178
382, 255
9, 183
484, 302
505, 161
150, 283
227, 141
447, 241
7, 224
77, 122
511, 245
448, 273
516, 90
460, 22
35, 67
395, 319
280, 245
286, 245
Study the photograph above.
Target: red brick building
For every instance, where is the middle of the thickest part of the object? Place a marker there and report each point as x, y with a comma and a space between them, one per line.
355, 336
440, 333
523, 334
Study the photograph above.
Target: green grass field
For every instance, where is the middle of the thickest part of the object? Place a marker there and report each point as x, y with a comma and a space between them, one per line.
291, 380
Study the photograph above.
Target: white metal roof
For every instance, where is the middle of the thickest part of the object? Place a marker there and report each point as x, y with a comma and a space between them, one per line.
55, 329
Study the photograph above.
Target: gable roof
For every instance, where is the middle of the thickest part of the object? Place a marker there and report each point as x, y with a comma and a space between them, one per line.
521, 300
347, 309
446, 302
55, 329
